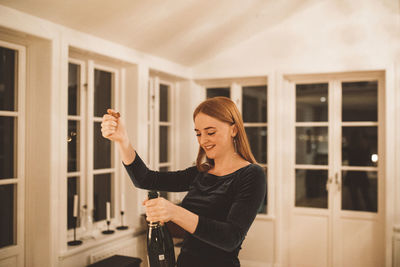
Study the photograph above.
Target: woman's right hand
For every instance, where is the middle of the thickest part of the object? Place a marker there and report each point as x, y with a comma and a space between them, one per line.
113, 129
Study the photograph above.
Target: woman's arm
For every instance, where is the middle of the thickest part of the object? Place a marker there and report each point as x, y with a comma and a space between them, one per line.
226, 235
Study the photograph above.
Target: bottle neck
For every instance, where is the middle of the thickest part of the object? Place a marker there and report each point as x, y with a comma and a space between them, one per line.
154, 224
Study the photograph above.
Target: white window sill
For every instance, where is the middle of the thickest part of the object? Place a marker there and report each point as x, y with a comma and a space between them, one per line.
99, 240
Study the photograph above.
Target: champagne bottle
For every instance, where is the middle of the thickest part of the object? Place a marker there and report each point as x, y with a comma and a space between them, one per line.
160, 248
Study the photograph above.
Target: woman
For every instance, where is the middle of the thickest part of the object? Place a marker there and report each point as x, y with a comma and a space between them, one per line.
225, 188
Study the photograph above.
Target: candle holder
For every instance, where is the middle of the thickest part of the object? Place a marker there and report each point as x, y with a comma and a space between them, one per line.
75, 242
108, 231
122, 227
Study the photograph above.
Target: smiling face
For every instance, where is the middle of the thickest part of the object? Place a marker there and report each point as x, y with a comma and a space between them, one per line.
214, 136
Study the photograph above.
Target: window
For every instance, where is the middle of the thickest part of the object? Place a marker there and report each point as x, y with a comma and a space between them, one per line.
161, 125
251, 99
12, 125
92, 89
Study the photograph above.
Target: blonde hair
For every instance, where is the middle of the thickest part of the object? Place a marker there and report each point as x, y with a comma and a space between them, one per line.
223, 109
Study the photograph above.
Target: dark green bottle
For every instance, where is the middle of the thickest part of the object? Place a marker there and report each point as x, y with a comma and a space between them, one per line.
160, 247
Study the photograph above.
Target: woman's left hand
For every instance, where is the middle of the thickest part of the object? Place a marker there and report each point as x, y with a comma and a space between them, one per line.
159, 210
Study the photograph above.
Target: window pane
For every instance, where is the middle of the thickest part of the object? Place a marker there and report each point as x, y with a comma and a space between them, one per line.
8, 93
73, 89
164, 157
102, 92
258, 142
73, 146
213, 92
101, 149
360, 101
263, 207
359, 146
164, 101
311, 189
101, 195
73, 189
255, 103
7, 146
312, 145
311, 102
360, 191
7, 215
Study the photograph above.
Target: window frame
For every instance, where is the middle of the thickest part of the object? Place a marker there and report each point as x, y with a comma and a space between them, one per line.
18, 248
87, 171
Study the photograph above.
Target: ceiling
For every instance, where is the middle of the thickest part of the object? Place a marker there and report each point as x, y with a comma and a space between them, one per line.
183, 31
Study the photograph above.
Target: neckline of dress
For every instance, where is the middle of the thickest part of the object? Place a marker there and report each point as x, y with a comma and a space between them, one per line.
229, 174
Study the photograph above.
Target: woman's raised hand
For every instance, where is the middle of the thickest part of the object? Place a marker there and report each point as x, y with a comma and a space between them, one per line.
112, 127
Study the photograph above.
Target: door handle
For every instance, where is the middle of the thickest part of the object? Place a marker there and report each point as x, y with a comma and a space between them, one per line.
329, 181
339, 186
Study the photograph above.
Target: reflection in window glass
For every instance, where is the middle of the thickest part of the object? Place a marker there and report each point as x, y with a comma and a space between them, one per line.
360, 191
311, 102
7, 134
101, 149
73, 146
223, 91
258, 142
8, 89
73, 89
101, 195
164, 157
359, 146
312, 145
164, 100
254, 103
72, 191
311, 189
360, 101
102, 92
7, 215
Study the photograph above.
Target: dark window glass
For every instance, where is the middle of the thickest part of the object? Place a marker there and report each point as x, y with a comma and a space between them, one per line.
360, 146
258, 142
8, 89
7, 145
311, 102
164, 101
73, 89
101, 195
164, 144
223, 91
311, 189
73, 146
101, 149
360, 191
73, 190
102, 92
255, 103
360, 101
264, 205
7, 214
312, 145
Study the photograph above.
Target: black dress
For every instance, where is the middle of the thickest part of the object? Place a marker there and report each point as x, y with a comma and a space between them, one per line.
226, 206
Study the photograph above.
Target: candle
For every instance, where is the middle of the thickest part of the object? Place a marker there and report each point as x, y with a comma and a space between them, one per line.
108, 211
75, 214
122, 202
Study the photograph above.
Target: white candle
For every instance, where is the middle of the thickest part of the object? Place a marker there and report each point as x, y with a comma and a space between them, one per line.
75, 214
108, 210
122, 202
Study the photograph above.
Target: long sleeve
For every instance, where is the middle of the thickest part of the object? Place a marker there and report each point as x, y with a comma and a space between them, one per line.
144, 178
228, 235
